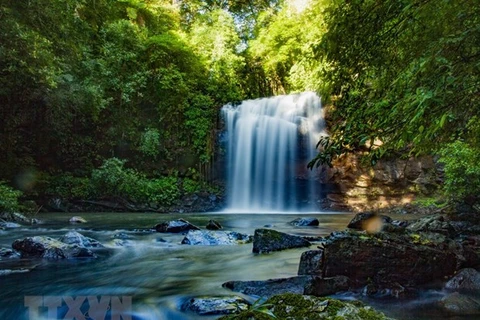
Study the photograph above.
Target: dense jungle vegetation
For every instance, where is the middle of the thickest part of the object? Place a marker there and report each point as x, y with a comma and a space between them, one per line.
120, 98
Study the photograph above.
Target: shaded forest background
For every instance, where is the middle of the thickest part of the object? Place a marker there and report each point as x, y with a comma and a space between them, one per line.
120, 98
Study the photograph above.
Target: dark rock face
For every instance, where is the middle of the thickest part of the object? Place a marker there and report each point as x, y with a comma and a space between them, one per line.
175, 226
434, 223
303, 222
326, 286
390, 258
311, 263
75, 238
213, 225
48, 248
267, 240
215, 238
271, 287
215, 305
465, 280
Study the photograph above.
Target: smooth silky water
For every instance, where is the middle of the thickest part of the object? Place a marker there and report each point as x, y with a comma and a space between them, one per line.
160, 276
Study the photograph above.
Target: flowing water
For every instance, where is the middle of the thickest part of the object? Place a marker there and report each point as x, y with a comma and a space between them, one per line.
269, 143
158, 275
157, 271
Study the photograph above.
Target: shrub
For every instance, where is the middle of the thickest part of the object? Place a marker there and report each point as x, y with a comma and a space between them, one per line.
8, 198
112, 179
191, 186
69, 187
462, 170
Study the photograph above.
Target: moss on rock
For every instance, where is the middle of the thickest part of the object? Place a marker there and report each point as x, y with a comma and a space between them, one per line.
300, 307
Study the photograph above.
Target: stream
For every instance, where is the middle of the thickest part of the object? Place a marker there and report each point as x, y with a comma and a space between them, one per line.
154, 269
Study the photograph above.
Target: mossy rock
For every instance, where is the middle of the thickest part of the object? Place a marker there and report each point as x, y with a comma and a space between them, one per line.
300, 307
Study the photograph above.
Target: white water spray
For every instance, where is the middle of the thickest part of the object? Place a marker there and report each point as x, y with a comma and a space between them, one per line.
269, 142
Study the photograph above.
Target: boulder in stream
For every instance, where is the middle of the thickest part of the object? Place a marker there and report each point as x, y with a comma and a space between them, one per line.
75, 238
434, 223
213, 225
268, 288
268, 240
304, 222
215, 238
215, 305
48, 248
175, 226
369, 222
465, 280
311, 262
385, 258
77, 219
460, 304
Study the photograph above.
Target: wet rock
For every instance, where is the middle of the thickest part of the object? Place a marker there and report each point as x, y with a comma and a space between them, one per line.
434, 223
471, 251
120, 243
300, 307
213, 225
303, 222
8, 253
77, 219
121, 235
408, 260
215, 305
311, 263
271, 287
215, 238
9, 225
13, 217
465, 280
175, 226
370, 222
48, 248
460, 304
75, 238
267, 240
327, 286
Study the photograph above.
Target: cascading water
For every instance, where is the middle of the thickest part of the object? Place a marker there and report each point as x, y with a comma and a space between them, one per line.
269, 142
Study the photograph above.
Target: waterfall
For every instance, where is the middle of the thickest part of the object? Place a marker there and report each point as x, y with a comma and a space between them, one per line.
269, 143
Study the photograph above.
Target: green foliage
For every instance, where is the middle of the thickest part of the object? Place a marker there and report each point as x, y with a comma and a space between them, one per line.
191, 186
462, 170
112, 179
150, 143
163, 191
400, 75
69, 187
8, 198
